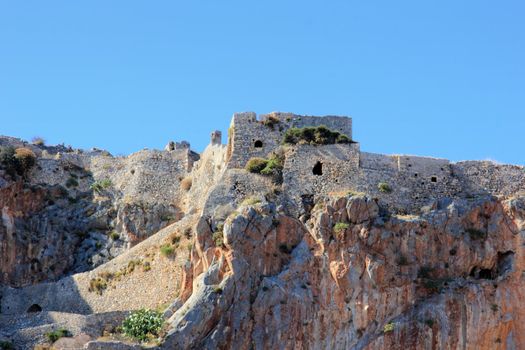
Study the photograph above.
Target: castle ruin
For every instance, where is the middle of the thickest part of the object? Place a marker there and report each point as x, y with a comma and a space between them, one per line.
313, 170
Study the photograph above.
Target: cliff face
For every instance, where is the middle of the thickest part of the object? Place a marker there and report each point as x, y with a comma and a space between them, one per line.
39, 235
355, 277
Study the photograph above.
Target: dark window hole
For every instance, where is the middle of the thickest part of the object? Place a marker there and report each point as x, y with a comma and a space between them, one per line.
35, 308
318, 169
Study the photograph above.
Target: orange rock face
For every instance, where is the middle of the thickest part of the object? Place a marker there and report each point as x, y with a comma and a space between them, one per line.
356, 277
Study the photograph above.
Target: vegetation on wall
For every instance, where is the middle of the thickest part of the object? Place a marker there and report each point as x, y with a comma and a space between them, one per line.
383, 187
271, 166
99, 186
59, 333
256, 165
319, 135
271, 121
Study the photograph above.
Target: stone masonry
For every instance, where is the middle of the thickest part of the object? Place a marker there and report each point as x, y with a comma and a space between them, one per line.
318, 170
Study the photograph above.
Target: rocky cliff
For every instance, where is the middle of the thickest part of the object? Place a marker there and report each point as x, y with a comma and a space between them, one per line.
363, 256
355, 277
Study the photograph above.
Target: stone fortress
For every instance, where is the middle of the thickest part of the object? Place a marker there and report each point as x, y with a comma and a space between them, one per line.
321, 169
146, 202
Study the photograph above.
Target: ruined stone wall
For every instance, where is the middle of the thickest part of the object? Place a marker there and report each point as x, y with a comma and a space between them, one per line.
246, 132
415, 182
317, 170
250, 137
481, 177
411, 187
420, 181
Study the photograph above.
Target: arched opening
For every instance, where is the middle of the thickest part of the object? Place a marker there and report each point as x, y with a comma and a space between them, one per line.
258, 144
318, 169
35, 308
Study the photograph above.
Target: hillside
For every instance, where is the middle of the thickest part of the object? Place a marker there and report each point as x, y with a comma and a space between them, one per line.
286, 237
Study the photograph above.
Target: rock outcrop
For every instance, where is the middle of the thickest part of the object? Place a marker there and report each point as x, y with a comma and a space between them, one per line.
353, 277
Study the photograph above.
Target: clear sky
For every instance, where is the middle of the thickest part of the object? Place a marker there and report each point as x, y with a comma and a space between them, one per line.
440, 78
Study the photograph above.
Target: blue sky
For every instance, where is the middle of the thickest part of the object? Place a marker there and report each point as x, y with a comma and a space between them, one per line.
438, 78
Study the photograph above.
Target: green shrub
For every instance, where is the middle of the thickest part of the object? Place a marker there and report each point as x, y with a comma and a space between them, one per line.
341, 227
494, 307
218, 238
274, 165
143, 324
59, 333
114, 235
6, 345
251, 201
319, 135
99, 186
389, 327
167, 250
383, 187
256, 165
71, 182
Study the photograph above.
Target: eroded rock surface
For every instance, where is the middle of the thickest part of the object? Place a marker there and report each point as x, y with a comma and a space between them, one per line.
354, 277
